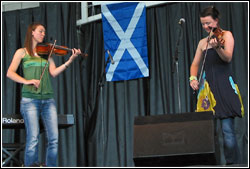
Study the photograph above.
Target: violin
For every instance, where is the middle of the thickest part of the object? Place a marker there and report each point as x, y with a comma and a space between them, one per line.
218, 34
45, 48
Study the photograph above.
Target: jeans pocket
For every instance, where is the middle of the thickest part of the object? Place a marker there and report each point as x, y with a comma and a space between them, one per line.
25, 104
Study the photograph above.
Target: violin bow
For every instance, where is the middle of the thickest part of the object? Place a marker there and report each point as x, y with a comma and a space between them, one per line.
48, 60
202, 67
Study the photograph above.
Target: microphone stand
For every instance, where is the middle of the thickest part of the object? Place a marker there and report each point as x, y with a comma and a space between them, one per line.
175, 66
100, 82
100, 95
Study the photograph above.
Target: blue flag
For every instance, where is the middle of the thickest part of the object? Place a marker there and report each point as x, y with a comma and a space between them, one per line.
125, 37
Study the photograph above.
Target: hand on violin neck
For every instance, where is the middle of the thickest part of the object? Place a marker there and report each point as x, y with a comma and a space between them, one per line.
75, 53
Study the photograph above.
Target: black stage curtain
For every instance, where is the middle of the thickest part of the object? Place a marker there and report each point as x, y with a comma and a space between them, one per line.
104, 116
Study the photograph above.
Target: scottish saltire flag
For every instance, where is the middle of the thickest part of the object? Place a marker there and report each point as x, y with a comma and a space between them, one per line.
125, 36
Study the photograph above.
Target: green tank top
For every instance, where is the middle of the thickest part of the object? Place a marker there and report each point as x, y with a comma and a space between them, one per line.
32, 69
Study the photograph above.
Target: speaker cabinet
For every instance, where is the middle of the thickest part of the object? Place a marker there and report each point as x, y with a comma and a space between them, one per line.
175, 139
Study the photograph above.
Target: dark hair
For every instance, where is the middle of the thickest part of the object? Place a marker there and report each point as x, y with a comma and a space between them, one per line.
210, 11
28, 37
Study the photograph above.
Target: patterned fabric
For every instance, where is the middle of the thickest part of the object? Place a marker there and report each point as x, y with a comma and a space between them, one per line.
218, 91
206, 100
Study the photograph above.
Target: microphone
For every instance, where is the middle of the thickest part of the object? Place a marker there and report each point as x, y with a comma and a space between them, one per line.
111, 58
181, 21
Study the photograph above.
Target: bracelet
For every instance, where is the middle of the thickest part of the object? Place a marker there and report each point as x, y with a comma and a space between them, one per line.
191, 78
66, 66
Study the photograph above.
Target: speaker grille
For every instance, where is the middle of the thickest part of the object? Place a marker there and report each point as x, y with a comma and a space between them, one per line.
174, 135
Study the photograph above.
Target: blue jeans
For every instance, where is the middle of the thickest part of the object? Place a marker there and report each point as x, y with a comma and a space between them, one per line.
31, 110
231, 149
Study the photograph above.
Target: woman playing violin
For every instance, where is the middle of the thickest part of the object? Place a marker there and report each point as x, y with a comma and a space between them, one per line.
218, 91
37, 94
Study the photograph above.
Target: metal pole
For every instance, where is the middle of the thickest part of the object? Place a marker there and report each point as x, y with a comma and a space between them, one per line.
178, 86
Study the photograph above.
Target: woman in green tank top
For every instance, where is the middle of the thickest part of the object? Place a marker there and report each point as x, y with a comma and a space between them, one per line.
37, 95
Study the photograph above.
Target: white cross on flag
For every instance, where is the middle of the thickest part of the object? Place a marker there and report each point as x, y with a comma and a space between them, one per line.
125, 37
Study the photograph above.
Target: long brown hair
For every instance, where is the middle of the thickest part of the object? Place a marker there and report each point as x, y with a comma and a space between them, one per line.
28, 38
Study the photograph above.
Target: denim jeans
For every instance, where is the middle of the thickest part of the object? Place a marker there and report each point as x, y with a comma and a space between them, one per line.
231, 149
32, 110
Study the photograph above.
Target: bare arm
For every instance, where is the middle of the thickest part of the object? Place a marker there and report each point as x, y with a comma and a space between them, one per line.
195, 64
225, 54
55, 71
11, 73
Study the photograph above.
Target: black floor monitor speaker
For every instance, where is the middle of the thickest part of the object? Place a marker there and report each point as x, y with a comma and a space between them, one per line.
175, 140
